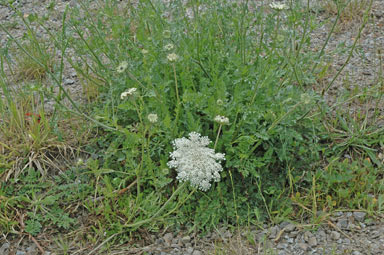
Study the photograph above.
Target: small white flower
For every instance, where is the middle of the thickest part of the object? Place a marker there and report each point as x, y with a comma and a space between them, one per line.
172, 57
144, 51
121, 68
167, 34
168, 47
305, 98
79, 162
278, 6
152, 117
221, 120
195, 162
219, 102
127, 93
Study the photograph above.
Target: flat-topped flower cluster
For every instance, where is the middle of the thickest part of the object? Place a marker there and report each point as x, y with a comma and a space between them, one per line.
195, 162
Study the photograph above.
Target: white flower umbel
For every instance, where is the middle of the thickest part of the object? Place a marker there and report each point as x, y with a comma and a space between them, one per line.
167, 34
278, 6
172, 57
221, 120
128, 93
195, 162
152, 117
121, 68
168, 47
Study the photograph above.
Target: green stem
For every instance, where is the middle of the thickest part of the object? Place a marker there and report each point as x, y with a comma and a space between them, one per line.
139, 223
282, 117
217, 137
176, 86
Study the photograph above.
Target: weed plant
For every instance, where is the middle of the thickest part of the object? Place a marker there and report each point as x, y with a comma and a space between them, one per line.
153, 72
248, 66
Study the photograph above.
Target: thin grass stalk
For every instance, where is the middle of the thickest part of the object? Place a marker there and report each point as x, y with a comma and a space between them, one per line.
77, 109
306, 25
366, 16
339, 11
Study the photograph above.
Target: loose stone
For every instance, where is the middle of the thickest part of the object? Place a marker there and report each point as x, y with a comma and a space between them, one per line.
335, 235
359, 216
303, 246
312, 241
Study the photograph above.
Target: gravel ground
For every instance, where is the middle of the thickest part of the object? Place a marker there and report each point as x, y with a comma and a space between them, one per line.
344, 232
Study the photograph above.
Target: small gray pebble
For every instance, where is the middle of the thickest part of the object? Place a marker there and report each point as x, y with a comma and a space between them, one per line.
359, 216
31, 248
303, 246
68, 82
4, 248
185, 239
342, 223
273, 231
189, 250
335, 235
282, 246
290, 227
337, 214
321, 234
293, 233
168, 238
312, 241
227, 234
284, 224
196, 252
21, 253
307, 235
